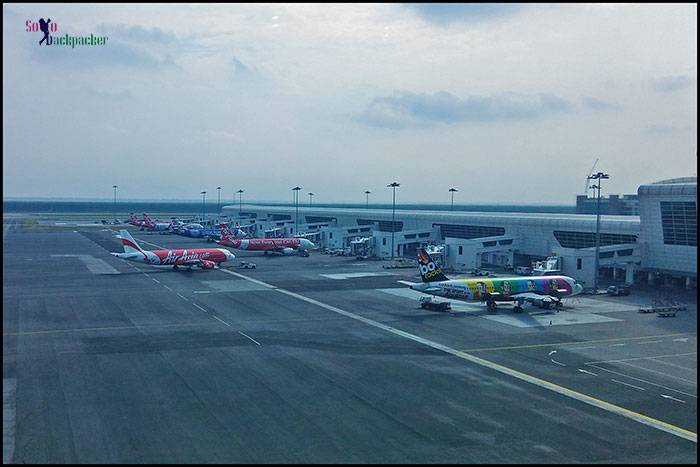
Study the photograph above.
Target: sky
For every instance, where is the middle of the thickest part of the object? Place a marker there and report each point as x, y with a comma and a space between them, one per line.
508, 103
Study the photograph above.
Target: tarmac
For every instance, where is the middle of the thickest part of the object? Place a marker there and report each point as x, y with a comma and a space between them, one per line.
319, 359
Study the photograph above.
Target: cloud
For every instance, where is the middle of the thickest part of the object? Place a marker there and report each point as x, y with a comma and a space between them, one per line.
445, 13
408, 109
240, 68
598, 104
113, 53
107, 96
221, 134
666, 130
137, 33
672, 83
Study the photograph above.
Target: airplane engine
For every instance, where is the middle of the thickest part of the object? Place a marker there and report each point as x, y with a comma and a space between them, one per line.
206, 264
288, 251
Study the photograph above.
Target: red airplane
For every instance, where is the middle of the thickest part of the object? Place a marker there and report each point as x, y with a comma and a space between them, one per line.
286, 246
204, 258
134, 221
150, 224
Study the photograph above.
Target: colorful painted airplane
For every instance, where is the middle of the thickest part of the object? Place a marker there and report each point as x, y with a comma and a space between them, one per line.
286, 246
204, 258
545, 291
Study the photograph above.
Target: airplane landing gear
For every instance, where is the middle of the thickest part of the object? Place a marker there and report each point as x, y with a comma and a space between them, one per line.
491, 306
517, 309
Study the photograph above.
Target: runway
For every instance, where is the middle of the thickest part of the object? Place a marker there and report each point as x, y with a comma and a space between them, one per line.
319, 359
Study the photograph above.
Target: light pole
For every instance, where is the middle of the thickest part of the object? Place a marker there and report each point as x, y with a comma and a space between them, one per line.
204, 194
393, 185
367, 201
452, 204
310, 198
240, 202
296, 207
218, 201
115, 197
599, 176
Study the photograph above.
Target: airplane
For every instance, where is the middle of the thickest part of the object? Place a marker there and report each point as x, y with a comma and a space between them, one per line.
150, 224
545, 291
134, 221
286, 246
236, 232
204, 258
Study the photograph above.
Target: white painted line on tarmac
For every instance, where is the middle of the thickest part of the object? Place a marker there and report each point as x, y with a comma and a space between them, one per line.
587, 372
649, 342
640, 418
617, 345
644, 381
246, 335
202, 291
665, 396
220, 320
167, 287
558, 363
200, 307
674, 365
107, 328
155, 280
183, 297
658, 372
264, 284
556, 344
642, 358
628, 384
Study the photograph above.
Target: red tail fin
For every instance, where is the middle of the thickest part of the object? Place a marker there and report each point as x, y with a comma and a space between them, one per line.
225, 232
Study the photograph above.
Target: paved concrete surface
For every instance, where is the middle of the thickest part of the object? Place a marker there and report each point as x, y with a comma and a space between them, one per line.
317, 360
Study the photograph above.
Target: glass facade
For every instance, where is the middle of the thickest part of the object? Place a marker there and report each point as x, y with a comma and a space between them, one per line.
469, 231
571, 239
679, 222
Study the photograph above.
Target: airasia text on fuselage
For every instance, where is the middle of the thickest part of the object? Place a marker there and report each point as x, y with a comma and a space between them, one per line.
172, 257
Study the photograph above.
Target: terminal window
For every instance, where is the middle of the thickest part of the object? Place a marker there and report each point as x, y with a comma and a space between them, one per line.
679, 222
571, 239
469, 231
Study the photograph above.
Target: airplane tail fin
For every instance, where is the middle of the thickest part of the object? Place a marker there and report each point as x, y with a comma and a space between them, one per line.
429, 271
225, 232
130, 245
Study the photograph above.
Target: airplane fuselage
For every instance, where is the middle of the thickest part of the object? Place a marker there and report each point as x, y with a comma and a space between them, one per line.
266, 244
500, 288
179, 257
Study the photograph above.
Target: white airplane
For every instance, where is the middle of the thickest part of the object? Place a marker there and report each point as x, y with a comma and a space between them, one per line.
545, 291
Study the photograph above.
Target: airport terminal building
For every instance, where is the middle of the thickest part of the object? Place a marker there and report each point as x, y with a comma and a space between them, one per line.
658, 245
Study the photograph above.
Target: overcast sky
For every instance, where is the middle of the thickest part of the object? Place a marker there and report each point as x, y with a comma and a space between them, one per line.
507, 103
